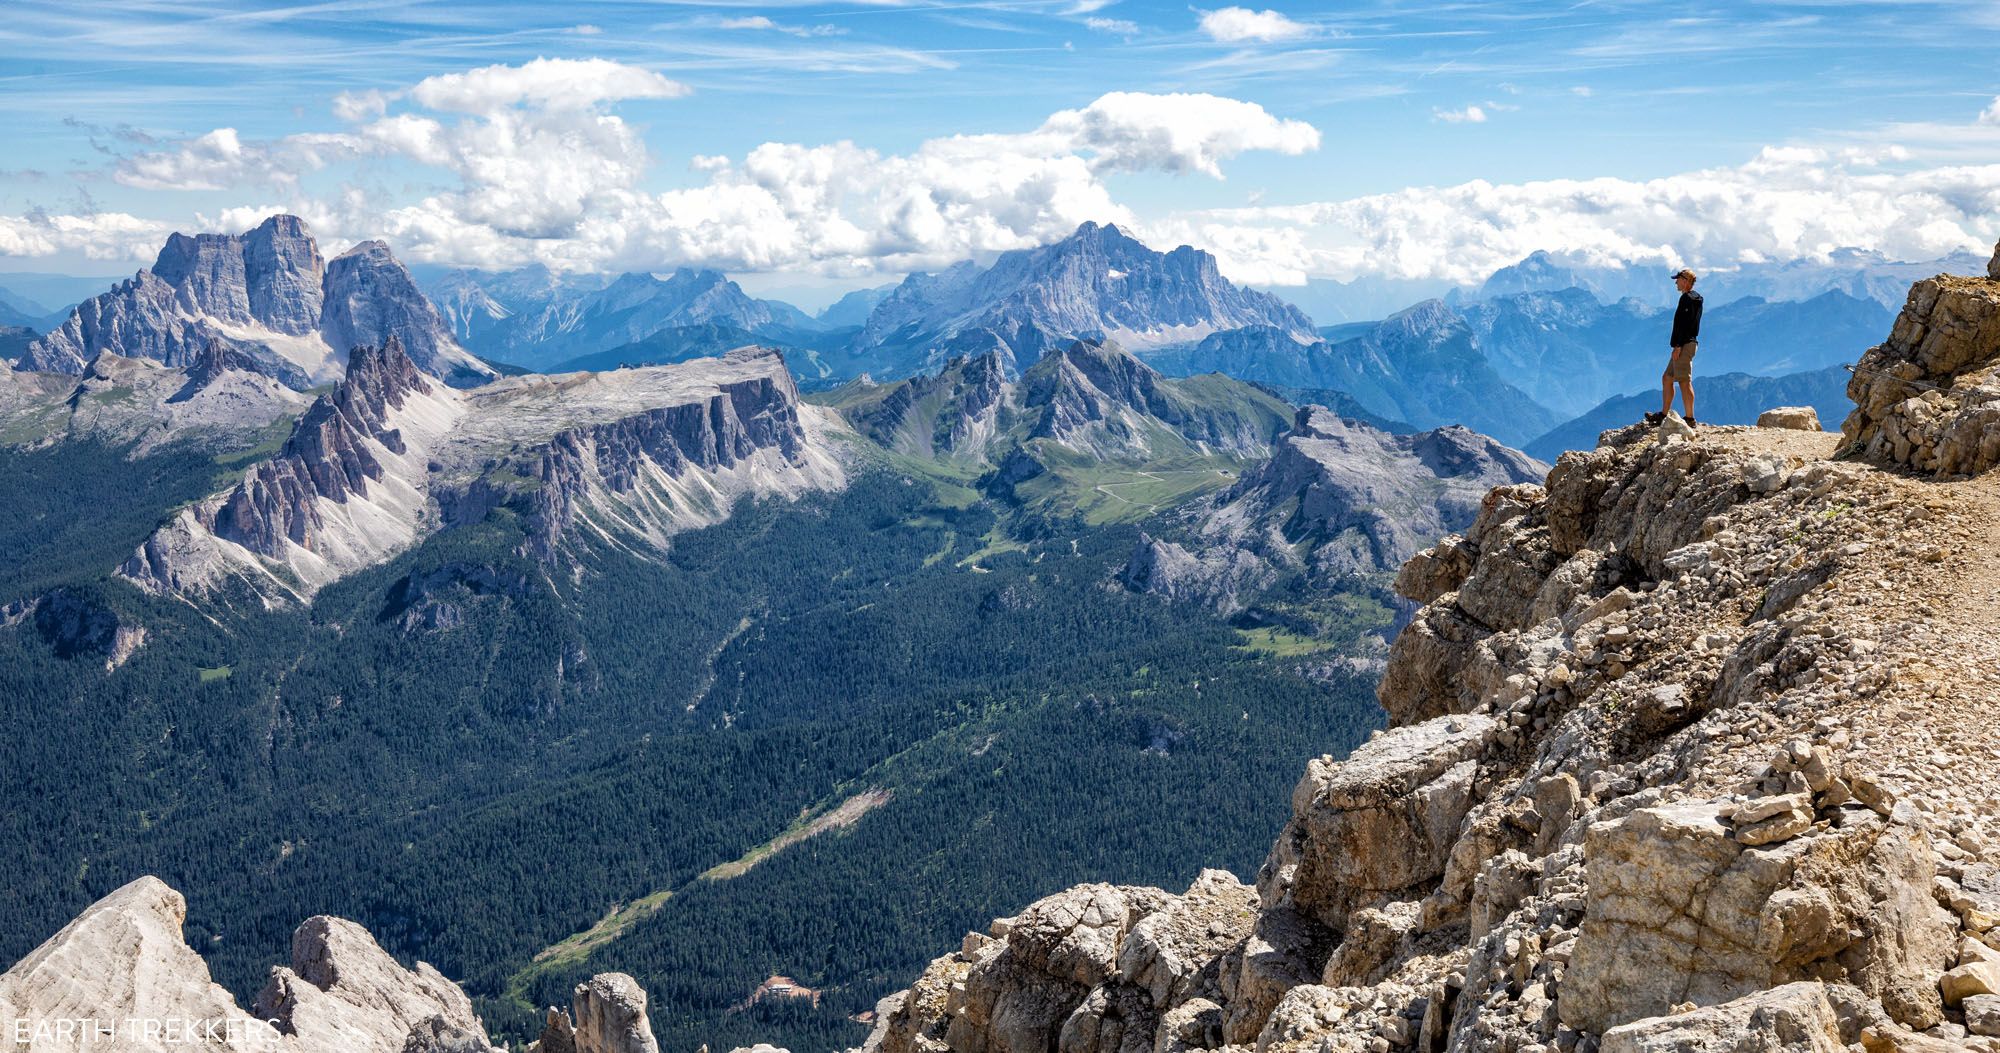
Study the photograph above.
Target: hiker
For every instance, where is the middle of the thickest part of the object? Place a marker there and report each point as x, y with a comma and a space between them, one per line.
1680, 363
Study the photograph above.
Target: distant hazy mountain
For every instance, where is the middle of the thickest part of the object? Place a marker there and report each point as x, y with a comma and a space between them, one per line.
535, 318
484, 307
267, 296
1366, 298
1861, 274
1422, 365
1570, 352
855, 307
1097, 283
1731, 398
51, 296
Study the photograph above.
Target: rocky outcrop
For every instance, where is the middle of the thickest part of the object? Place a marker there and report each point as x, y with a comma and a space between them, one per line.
1687, 752
370, 299
267, 297
1929, 396
343, 991
954, 412
391, 455
1096, 398
120, 977
1337, 499
607, 1015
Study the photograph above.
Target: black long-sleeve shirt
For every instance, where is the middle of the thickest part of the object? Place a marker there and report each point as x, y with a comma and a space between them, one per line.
1687, 320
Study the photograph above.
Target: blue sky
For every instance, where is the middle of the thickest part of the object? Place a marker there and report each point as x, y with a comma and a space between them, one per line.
1296, 140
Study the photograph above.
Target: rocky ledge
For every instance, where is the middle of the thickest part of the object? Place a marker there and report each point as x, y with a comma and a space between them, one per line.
1689, 750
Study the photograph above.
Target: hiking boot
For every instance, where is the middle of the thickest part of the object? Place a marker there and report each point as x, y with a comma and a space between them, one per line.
1690, 420
1655, 418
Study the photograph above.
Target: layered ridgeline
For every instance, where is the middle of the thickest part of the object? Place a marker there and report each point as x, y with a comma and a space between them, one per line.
267, 296
1516, 366
391, 455
1088, 430
559, 323
1688, 751
1339, 504
1098, 283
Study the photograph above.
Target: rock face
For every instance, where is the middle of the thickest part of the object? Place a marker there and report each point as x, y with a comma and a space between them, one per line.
121, 960
370, 299
1098, 283
392, 455
1929, 396
954, 412
121, 978
265, 295
607, 1015
1094, 397
1338, 498
1688, 749
344, 991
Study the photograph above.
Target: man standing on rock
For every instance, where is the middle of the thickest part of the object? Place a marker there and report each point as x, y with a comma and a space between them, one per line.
1680, 364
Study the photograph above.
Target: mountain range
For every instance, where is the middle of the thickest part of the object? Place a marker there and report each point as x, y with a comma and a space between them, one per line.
535, 318
267, 295
1098, 283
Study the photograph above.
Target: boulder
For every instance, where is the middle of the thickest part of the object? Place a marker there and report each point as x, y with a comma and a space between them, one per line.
610, 1010
1794, 1018
1379, 825
343, 991
1678, 910
1175, 951
1794, 418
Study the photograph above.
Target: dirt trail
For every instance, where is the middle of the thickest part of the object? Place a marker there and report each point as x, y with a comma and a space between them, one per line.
1926, 592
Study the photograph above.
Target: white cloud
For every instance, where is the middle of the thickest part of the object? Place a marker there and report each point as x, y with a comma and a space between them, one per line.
1991, 115
761, 22
1468, 115
1112, 25
543, 83
751, 22
101, 236
541, 169
1135, 131
1235, 25
1784, 203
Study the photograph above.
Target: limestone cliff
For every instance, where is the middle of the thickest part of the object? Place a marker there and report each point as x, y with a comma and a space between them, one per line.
1690, 749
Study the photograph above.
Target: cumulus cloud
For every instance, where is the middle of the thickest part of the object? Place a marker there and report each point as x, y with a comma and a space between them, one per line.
101, 236
545, 171
1783, 203
1468, 115
1135, 131
543, 83
1238, 25
1991, 115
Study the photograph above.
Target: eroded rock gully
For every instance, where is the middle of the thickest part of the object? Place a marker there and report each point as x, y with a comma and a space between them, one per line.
1691, 749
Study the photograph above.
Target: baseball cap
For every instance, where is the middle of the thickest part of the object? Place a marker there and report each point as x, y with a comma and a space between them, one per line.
1683, 273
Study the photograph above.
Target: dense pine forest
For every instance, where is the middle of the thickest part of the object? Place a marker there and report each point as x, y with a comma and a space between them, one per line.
527, 772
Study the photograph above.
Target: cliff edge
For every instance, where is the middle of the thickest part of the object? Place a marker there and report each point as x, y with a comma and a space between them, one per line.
1690, 748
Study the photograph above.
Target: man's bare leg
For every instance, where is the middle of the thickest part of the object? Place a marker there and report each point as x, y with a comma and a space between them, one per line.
1666, 394
1687, 397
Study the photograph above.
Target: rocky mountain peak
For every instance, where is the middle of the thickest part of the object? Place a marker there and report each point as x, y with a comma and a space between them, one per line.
269, 276
267, 296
